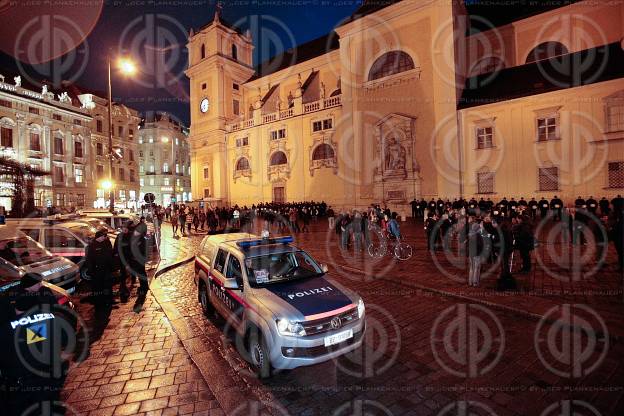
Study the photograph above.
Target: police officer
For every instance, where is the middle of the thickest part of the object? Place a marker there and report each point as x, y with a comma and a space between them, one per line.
414, 205
523, 204
533, 208
543, 207
100, 267
123, 256
579, 203
432, 207
139, 258
31, 352
556, 204
617, 203
604, 207
513, 207
592, 205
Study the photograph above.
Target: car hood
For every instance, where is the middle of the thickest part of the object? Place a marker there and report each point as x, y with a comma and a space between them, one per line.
306, 299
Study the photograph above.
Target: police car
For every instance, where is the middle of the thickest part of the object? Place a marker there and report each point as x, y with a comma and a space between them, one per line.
279, 300
20, 254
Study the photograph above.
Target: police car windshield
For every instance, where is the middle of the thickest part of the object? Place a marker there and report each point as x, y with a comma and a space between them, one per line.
280, 267
22, 251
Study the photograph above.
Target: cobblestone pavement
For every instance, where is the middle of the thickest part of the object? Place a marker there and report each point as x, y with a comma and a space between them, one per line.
135, 363
424, 354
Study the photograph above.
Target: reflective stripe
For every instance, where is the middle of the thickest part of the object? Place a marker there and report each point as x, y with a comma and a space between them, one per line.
329, 313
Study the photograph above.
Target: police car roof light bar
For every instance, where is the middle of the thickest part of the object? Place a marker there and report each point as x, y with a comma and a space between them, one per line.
258, 242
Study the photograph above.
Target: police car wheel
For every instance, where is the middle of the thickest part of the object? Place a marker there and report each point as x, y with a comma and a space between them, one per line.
204, 300
259, 355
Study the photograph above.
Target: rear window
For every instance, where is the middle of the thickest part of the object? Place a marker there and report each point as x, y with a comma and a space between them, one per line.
22, 251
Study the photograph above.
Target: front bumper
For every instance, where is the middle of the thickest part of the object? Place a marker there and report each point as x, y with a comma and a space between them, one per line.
292, 352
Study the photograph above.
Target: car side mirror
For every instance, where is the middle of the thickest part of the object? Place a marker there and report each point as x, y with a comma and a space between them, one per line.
231, 284
324, 268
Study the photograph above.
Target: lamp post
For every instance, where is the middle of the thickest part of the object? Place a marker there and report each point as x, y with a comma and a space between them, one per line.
126, 67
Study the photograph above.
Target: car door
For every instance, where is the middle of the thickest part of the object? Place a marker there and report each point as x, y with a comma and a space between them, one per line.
235, 297
216, 282
63, 243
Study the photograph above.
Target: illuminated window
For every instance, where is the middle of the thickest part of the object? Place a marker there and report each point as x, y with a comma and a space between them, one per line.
323, 151
391, 63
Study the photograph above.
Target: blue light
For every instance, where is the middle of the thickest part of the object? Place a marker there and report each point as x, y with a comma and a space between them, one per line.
277, 240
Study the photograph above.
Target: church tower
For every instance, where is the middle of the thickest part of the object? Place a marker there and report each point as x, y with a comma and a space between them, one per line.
220, 60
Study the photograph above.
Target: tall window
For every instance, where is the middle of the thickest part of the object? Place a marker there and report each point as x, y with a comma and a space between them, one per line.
151, 182
165, 167
152, 169
59, 174
485, 182
141, 169
58, 146
100, 171
131, 134
99, 126
141, 182
323, 151
546, 50
99, 149
484, 137
122, 174
236, 107
203, 51
548, 179
206, 173
6, 139
166, 181
234, 52
78, 149
120, 131
177, 168
389, 64
131, 155
278, 158
547, 128
79, 174
616, 174
35, 142
131, 176
615, 116
242, 164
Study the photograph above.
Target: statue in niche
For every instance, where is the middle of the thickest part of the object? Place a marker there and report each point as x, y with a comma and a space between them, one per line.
395, 155
18, 81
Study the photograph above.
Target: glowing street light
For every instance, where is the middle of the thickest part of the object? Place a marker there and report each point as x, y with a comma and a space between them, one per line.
126, 67
107, 185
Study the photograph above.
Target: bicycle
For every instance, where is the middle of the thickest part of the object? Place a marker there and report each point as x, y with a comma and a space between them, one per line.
401, 250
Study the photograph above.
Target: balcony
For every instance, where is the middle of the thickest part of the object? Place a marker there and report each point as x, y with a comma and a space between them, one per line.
285, 114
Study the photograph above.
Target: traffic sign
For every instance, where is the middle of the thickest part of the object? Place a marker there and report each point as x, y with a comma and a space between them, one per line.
149, 198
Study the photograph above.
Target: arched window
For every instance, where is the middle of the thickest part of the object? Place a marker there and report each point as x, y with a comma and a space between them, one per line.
278, 158
203, 51
487, 65
546, 50
234, 52
389, 64
323, 151
242, 164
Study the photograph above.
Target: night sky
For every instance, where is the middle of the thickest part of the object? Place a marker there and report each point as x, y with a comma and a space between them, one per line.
149, 30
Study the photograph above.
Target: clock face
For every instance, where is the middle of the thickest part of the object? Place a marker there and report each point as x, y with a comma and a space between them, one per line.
204, 105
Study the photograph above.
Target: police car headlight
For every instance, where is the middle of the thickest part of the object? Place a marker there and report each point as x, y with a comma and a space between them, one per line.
361, 309
286, 327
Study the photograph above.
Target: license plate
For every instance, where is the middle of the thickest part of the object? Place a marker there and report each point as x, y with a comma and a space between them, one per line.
338, 338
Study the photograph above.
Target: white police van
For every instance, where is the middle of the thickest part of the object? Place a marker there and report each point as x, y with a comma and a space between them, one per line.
279, 300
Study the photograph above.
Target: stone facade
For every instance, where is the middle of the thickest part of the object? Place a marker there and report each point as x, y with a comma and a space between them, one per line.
374, 114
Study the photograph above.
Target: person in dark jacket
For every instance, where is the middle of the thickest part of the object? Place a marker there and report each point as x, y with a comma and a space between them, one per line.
123, 256
100, 267
525, 242
139, 258
617, 235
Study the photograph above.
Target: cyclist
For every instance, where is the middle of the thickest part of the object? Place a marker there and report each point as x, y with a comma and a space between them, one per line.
393, 227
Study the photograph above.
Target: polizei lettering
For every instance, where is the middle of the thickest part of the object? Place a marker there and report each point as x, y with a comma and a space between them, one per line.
310, 292
27, 320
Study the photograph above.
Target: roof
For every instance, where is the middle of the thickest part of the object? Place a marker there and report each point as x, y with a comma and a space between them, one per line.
489, 14
223, 22
293, 56
586, 67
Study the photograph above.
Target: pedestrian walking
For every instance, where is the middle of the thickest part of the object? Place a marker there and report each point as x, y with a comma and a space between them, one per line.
475, 253
139, 258
174, 225
122, 255
182, 221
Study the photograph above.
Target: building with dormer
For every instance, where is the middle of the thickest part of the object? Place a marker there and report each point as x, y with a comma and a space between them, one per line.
412, 99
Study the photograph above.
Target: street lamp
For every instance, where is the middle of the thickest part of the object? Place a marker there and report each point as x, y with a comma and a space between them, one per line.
126, 67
